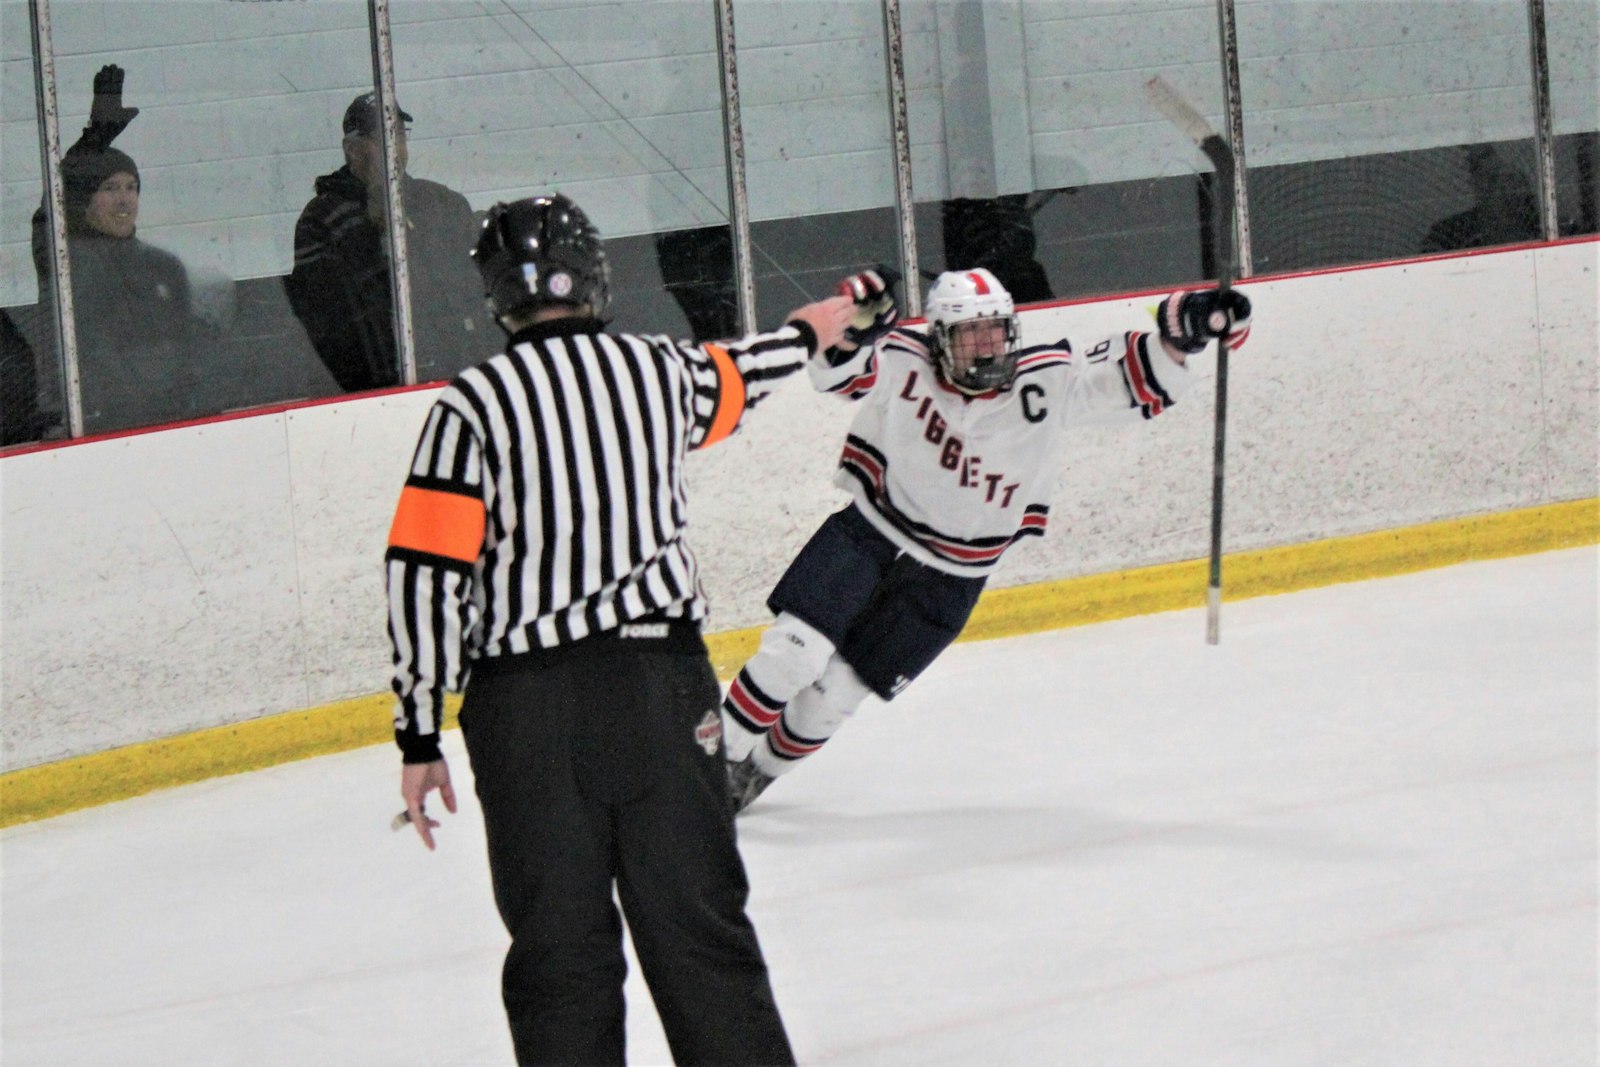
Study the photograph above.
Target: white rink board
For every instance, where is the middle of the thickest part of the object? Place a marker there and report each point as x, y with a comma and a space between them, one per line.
1569, 339
158, 583
349, 461
148, 588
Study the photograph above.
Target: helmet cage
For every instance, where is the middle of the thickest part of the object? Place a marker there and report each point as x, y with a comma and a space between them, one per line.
978, 355
973, 331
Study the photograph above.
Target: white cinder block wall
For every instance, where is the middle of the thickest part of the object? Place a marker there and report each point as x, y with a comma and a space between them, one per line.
191, 577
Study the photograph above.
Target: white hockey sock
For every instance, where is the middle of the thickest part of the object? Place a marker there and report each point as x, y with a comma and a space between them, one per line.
792, 655
814, 715
737, 738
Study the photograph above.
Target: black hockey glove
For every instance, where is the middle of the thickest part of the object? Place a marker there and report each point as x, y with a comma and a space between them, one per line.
107, 116
1190, 321
876, 308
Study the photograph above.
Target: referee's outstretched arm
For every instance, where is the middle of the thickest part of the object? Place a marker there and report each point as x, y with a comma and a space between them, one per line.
731, 376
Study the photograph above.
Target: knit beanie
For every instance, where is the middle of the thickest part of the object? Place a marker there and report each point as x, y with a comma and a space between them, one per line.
81, 175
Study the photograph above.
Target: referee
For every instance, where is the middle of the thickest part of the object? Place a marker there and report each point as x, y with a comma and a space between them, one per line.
539, 546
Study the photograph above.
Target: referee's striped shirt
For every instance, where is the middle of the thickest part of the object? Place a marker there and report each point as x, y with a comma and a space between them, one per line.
546, 500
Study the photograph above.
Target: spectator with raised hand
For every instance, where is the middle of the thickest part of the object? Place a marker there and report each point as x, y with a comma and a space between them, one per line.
136, 330
340, 286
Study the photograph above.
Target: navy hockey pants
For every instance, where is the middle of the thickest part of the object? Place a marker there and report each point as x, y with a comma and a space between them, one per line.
888, 615
592, 770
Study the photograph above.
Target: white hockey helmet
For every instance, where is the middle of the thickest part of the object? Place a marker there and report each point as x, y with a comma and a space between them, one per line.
973, 330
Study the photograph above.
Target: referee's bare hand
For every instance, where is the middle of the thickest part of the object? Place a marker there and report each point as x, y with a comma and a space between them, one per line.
417, 780
827, 319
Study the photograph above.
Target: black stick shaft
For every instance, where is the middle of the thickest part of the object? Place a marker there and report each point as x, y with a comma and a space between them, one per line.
1221, 156
1220, 219
1218, 453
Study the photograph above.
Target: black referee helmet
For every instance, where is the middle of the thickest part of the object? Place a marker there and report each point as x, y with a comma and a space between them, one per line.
541, 251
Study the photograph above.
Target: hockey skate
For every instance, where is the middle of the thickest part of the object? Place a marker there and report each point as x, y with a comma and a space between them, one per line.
746, 781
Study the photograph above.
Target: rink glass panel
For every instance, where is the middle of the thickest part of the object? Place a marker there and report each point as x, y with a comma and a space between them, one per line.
227, 143
617, 107
32, 391
1359, 150
1085, 190
819, 163
1572, 28
1408, 130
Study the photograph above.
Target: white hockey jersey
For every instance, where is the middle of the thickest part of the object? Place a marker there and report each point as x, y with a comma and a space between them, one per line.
956, 480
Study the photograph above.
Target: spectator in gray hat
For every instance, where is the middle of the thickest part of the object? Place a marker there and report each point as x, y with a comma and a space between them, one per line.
340, 287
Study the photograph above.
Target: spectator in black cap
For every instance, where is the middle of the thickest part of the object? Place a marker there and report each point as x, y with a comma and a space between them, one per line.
340, 285
138, 338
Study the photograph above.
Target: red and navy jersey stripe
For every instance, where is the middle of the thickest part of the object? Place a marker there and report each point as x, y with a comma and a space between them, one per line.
868, 466
1144, 390
1033, 360
860, 383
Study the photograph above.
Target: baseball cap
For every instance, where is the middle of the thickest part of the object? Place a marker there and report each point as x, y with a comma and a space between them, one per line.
365, 115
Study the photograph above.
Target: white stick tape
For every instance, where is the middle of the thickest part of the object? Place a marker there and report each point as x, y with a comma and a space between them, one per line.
1178, 110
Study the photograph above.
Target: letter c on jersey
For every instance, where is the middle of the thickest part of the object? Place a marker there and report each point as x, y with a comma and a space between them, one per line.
1030, 392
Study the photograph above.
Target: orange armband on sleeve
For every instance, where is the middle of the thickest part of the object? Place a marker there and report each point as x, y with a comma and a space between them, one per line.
730, 396
438, 523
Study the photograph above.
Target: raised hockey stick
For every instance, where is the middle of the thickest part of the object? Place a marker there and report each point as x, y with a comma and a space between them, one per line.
1183, 115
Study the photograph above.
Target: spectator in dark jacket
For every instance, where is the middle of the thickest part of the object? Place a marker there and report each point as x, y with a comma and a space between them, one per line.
340, 286
139, 343
697, 268
20, 420
997, 235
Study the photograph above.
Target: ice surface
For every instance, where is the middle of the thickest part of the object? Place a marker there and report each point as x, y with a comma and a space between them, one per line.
1360, 831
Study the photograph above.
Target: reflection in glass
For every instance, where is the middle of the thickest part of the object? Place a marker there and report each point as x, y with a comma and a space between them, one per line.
996, 233
1384, 141
1503, 207
1572, 27
624, 116
697, 269
22, 418
1578, 183
1079, 188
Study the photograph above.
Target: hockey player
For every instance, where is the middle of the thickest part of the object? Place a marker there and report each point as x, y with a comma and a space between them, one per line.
950, 460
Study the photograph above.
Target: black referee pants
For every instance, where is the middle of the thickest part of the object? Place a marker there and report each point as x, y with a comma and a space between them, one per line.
591, 773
